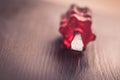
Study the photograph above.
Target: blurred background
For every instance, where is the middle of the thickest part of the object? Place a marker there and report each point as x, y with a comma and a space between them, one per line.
30, 41
104, 6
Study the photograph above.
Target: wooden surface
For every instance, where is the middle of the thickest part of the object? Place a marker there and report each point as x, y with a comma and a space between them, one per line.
30, 46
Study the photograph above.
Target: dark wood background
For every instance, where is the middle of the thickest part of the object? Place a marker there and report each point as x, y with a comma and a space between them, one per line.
30, 45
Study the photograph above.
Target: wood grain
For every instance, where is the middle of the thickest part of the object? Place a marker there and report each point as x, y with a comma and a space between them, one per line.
30, 46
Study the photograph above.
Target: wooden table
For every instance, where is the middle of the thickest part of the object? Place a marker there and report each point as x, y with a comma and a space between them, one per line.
30, 46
